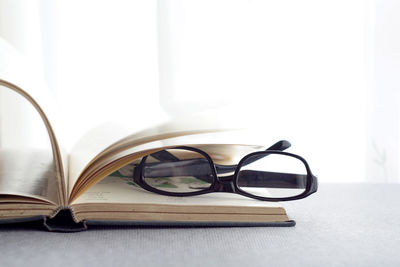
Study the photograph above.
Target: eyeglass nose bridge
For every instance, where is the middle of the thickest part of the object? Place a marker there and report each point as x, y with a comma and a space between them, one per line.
224, 184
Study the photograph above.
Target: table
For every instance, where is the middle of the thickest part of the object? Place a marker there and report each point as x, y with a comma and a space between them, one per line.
340, 225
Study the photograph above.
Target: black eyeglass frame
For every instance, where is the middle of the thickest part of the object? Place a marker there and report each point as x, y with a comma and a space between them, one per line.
229, 184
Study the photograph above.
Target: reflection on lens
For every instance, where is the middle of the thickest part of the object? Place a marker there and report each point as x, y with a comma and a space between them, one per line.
273, 175
178, 170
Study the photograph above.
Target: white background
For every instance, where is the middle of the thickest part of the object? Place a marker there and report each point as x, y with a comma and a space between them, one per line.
322, 74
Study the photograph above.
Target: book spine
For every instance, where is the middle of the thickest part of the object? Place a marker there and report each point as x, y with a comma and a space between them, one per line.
63, 221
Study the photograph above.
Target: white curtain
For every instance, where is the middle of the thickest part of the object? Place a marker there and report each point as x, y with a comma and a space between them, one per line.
383, 117
322, 74
19, 32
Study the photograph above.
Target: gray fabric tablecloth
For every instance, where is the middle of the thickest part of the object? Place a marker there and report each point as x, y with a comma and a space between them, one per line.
341, 225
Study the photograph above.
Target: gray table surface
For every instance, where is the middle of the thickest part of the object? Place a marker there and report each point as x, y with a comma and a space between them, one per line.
341, 225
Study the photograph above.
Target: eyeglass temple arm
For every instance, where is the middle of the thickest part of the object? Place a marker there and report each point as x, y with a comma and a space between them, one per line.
280, 146
165, 156
199, 167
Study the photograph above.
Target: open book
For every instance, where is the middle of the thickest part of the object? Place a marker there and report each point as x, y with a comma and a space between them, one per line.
95, 181
92, 184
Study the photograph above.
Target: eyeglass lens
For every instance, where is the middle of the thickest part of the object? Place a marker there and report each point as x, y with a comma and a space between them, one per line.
187, 171
273, 176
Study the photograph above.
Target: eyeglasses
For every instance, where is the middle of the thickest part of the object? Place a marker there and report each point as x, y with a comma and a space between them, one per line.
270, 175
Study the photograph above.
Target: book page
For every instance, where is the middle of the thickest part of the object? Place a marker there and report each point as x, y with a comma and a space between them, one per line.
28, 174
106, 141
27, 166
119, 188
90, 145
105, 165
24, 124
117, 197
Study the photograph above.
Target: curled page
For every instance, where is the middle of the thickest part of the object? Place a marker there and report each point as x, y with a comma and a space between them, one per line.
32, 164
